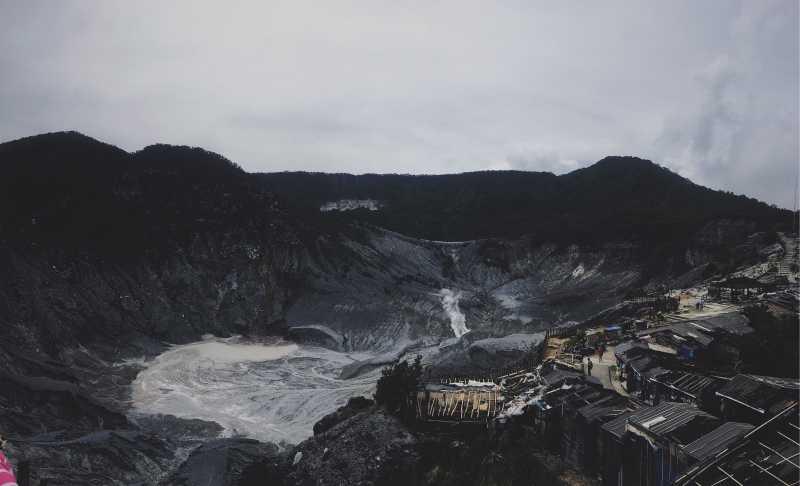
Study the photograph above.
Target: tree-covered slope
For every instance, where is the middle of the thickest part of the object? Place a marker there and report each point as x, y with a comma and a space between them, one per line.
616, 199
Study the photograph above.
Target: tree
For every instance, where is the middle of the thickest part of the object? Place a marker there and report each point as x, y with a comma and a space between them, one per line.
772, 349
397, 383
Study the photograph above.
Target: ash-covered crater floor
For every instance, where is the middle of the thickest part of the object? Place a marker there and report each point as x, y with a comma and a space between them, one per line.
273, 392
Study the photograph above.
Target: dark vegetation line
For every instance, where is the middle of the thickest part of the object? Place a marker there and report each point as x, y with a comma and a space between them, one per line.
72, 189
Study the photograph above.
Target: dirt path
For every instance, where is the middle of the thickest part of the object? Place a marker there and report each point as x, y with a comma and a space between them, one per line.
603, 368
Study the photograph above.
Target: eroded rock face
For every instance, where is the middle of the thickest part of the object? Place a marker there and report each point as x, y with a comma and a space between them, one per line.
354, 406
497, 352
384, 290
39, 404
116, 458
371, 447
74, 318
228, 462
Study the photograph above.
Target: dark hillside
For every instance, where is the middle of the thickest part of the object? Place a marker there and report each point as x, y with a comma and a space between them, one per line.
72, 189
69, 191
616, 199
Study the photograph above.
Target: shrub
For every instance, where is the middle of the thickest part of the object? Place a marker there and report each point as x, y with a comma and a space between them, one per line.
397, 382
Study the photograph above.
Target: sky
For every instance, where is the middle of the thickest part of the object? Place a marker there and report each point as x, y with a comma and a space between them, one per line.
708, 89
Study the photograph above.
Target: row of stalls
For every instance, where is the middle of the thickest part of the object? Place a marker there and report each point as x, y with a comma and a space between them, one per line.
679, 417
678, 422
766, 455
627, 442
691, 417
570, 413
655, 445
712, 343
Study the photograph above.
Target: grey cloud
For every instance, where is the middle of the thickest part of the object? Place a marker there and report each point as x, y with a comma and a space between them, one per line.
743, 134
708, 89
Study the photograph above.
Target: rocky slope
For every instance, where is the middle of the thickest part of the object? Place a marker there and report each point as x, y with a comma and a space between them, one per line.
368, 446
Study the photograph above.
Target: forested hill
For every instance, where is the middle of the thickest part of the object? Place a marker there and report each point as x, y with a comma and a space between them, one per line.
69, 191
66, 187
616, 199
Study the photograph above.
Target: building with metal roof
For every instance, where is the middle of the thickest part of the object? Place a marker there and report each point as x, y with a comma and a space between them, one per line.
754, 398
680, 422
645, 446
687, 386
568, 417
716, 441
767, 455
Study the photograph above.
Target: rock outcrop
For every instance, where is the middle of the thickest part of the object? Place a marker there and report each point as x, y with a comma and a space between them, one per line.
229, 462
354, 406
371, 447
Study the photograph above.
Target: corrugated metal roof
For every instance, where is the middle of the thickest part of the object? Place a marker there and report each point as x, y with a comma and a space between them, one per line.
667, 417
655, 372
766, 455
717, 440
689, 331
618, 426
558, 375
687, 382
624, 348
761, 393
642, 363
660, 348
787, 383
684, 331
732, 322
607, 408
573, 396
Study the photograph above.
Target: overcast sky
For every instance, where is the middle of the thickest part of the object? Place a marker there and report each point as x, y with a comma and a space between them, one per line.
706, 88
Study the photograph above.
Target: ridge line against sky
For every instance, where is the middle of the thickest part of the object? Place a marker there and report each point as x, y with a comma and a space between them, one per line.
706, 89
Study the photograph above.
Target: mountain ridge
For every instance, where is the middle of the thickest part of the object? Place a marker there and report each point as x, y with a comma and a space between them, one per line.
619, 198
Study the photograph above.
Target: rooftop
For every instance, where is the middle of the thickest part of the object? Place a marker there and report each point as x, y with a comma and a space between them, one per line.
573, 397
559, 375
717, 440
687, 382
731, 322
681, 421
767, 455
629, 347
607, 408
702, 330
761, 393
618, 426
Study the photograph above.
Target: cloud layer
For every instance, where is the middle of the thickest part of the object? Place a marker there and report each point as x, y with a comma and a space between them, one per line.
709, 89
